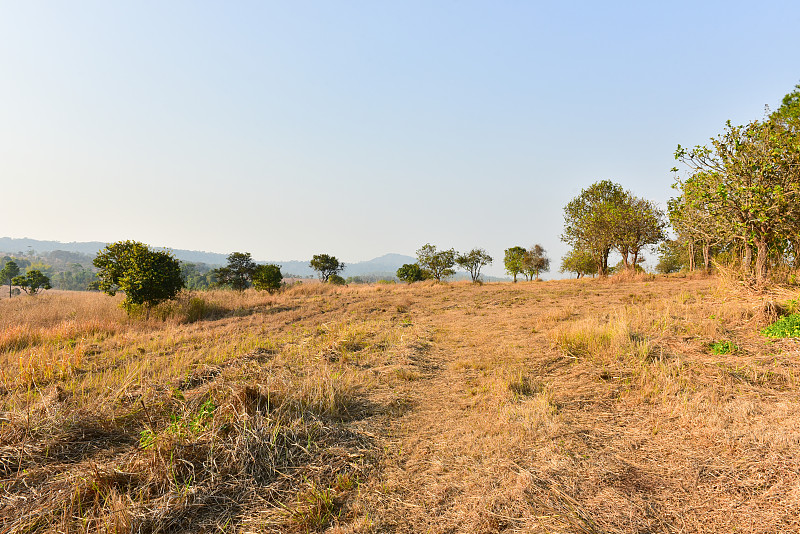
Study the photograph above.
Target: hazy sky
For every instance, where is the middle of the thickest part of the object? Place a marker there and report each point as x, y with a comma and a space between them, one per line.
359, 128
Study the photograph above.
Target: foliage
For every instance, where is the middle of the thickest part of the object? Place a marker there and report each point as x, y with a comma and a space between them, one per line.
238, 274
336, 280
438, 263
579, 262
591, 221
746, 184
535, 261
410, 272
326, 266
147, 277
670, 257
198, 275
473, 261
513, 260
723, 347
32, 281
267, 277
640, 223
8, 272
788, 326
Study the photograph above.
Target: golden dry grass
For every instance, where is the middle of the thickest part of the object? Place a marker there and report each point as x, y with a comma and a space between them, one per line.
571, 406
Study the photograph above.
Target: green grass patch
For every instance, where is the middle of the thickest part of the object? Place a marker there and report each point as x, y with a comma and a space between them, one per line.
788, 326
723, 347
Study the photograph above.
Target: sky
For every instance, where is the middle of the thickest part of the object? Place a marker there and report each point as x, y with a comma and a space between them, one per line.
359, 128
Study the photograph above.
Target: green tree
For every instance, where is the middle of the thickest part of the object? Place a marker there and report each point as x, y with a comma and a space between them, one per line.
336, 280
32, 281
671, 256
639, 223
410, 272
579, 262
147, 277
267, 277
238, 274
8, 272
326, 266
591, 221
514, 258
534, 262
473, 261
438, 263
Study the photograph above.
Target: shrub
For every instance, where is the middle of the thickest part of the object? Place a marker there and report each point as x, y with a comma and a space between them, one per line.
788, 326
336, 280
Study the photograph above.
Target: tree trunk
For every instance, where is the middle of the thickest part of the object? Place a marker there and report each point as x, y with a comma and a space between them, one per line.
706, 256
748, 258
515, 278
691, 255
761, 262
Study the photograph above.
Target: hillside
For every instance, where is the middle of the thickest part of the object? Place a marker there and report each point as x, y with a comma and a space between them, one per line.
569, 406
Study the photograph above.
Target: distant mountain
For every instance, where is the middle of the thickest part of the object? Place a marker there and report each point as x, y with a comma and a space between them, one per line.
382, 266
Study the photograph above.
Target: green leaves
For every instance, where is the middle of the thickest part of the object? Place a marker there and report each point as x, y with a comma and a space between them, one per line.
326, 266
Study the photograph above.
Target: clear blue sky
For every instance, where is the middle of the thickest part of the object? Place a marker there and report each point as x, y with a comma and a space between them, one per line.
359, 128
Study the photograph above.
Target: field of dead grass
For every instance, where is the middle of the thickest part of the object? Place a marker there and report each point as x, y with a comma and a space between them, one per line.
571, 406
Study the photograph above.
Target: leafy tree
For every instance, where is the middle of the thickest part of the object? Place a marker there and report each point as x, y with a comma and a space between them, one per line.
534, 262
8, 272
267, 277
336, 280
592, 219
751, 178
671, 256
579, 262
238, 274
514, 258
410, 272
473, 261
438, 263
639, 223
32, 281
147, 277
326, 266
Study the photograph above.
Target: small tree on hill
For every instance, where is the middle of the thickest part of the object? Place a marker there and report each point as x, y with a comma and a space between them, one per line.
238, 273
326, 266
579, 262
535, 262
7, 274
473, 261
513, 261
147, 277
438, 263
32, 282
267, 277
410, 272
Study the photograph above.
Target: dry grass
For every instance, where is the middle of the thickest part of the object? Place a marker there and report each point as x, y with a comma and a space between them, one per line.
572, 406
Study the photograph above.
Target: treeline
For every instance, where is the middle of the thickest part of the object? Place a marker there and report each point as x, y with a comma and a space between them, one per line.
740, 202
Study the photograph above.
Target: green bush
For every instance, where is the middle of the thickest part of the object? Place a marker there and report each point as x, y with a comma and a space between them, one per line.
788, 326
336, 280
723, 347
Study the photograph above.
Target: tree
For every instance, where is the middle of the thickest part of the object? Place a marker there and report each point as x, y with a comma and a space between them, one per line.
670, 256
326, 266
535, 261
439, 264
751, 178
639, 223
336, 280
267, 277
579, 262
147, 277
473, 261
238, 273
32, 281
410, 272
8, 272
513, 261
591, 221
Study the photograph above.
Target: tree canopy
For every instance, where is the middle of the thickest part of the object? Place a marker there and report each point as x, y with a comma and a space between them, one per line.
8, 272
410, 272
473, 261
535, 261
437, 263
267, 277
513, 261
326, 265
147, 277
238, 273
32, 281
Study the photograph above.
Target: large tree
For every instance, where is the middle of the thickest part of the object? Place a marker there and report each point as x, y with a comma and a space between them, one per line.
32, 281
267, 277
513, 260
591, 221
147, 277
437, 263
473, 261
326, 265
8, 272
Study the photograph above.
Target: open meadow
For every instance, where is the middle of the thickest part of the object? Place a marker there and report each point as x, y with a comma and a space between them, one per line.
591, 406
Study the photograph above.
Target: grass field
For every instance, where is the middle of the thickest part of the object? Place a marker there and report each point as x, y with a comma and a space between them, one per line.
589, 406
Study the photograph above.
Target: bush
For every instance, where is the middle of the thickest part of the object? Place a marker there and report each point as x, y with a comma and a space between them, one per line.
336, 280
788, 326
